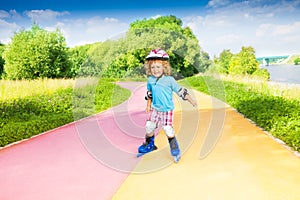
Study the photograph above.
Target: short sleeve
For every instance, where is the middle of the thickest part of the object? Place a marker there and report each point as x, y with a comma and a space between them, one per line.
149, 88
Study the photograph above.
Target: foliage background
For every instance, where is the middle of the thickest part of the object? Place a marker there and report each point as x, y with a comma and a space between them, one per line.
125, 57
39, 54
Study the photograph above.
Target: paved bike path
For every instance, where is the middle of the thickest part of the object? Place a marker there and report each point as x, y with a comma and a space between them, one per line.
87, 159
225, 156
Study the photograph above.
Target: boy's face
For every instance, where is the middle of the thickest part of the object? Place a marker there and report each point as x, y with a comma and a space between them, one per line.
157, 70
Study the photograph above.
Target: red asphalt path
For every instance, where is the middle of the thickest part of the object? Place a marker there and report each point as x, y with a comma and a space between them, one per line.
87, 159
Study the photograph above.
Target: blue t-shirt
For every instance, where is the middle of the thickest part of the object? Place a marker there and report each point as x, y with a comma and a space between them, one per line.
162, 92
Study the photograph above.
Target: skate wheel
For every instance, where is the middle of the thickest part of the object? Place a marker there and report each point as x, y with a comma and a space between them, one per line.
177, 158
139, 154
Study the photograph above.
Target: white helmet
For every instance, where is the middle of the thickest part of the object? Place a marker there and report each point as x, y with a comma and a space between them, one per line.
157, 54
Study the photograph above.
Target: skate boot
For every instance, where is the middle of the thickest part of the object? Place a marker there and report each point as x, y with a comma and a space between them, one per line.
147, 146
175, 151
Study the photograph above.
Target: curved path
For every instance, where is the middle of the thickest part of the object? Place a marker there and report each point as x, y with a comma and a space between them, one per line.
225, 156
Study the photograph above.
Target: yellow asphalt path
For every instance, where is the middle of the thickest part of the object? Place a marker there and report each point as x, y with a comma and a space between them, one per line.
225, 156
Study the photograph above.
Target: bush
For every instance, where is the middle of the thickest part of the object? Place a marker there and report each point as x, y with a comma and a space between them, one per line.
36, 54
23, 118
297, 61
262, 74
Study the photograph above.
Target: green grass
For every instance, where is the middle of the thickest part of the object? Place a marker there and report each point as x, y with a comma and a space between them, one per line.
275, 108
292, 58
21, 89
41, 105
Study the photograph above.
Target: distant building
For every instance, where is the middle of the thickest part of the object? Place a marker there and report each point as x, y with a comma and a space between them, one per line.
265, 61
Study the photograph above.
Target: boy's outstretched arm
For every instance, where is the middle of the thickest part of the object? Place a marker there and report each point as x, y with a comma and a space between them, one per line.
183, 93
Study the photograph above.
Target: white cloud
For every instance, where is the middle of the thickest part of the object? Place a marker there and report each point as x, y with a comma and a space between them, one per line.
9, 26
195, 23
266, 25
7, 29
156, 16
218, 3
77, 31
11, 14
278, 30
288, 29
14, 14
90, 30
42, 16
4, 14
215, 21
228, 39
108, 19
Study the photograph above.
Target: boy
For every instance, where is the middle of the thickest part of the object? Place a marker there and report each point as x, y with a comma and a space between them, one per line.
160, 106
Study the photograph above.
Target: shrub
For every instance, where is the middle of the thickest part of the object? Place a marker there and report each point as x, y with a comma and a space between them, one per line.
262, 74
36, 54
297, 61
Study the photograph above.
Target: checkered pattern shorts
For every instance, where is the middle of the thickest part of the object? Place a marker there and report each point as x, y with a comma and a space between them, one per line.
165, 118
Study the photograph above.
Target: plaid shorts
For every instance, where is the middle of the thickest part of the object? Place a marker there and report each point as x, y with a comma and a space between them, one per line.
166, 118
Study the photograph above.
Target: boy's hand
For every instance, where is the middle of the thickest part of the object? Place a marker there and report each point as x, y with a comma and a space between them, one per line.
191, 100
148, 109
194, 103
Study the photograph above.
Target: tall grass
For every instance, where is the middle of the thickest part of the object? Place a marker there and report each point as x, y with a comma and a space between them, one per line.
284, 90
20, 89
28, 108
273, 107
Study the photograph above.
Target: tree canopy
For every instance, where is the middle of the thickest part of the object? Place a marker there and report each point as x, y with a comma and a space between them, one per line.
36, 53
242, 63
125, 56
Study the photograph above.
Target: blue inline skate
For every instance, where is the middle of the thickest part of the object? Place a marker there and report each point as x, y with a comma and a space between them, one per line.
175, 151
146, 147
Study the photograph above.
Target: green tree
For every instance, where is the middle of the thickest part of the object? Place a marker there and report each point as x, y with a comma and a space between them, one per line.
235, 66
36, 53
78, 55
248, 60
2, 46
223, 63
165, 22
99, 56
122, 66
186, 56
244, 62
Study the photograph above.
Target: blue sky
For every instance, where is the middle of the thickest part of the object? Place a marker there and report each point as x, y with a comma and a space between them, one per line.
271, 27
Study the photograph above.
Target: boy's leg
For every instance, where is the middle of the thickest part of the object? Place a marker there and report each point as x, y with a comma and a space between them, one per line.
148, 145
172, 140
151, 125
175, 151
169, 130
